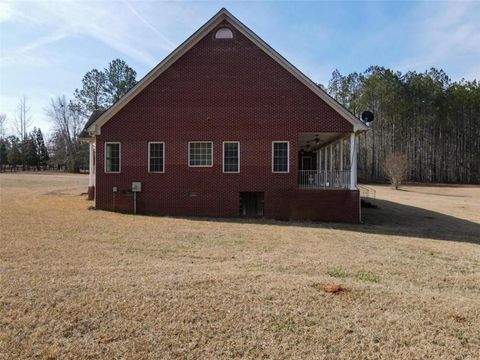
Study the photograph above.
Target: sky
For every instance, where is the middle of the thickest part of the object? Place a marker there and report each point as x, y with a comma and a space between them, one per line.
47, 46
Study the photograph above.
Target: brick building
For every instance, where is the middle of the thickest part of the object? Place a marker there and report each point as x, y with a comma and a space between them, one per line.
225, 126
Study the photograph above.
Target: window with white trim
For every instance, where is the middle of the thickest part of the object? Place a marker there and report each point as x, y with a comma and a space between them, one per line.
224, 33
280, 156
200, 154
112, 157
156, 157
231, 157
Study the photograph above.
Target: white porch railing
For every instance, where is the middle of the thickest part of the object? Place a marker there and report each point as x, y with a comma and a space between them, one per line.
320, 179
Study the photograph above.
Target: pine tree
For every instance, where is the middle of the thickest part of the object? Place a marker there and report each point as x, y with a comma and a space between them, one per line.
14, 155
92, 95
101, 89
3, 153
29, 151
42, 152
120, 78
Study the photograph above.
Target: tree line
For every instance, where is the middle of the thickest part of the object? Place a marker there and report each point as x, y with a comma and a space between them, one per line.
64, 149
29, 152
425, 116
28, 149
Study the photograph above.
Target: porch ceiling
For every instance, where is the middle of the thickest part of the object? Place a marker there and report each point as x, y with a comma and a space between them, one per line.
324, 138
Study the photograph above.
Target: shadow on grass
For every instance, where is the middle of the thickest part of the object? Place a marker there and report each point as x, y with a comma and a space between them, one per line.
392, 218
389, 219
433, 193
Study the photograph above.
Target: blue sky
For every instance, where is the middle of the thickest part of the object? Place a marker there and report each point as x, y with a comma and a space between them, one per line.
47, 46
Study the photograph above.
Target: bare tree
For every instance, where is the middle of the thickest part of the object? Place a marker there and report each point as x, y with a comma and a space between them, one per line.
3, 121
22, 120
395, 168
68, 124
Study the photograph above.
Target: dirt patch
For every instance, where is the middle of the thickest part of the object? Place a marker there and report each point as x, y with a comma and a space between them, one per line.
333, 288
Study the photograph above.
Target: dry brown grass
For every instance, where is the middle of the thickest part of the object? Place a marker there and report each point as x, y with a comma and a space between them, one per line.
78, 283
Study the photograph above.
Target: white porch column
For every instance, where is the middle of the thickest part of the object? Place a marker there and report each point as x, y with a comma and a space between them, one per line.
94, 164
319, 160
90, 166
353, 162
341, 155
91, 171
331, 157
325, 167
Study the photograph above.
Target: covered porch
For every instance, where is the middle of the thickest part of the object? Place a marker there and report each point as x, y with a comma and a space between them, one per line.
327, 161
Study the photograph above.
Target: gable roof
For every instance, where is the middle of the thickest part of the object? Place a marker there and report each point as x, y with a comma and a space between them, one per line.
95, 115
223, 14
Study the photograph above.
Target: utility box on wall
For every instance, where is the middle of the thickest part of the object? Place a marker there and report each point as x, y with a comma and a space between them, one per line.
136, 186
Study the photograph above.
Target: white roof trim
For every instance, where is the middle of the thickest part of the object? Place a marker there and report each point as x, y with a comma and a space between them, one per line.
223, 14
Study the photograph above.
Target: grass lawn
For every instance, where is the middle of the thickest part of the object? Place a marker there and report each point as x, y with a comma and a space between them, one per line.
77, 283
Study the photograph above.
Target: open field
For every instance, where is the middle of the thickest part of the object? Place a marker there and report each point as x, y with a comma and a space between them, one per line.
77, 283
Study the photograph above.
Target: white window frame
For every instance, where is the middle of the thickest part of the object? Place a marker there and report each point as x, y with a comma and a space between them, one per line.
188, 149
163, 159
224, 33
119, 157
223, 157
288, 156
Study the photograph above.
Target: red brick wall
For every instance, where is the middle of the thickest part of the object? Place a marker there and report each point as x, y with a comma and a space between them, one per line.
220, 90
324, 205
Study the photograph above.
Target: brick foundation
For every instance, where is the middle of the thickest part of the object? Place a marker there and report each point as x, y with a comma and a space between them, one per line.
322, 205
317, 205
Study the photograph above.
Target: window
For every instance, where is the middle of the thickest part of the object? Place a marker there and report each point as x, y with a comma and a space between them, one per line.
224, 33
112, 157
280, 156
156, 157
200, 154
231, 157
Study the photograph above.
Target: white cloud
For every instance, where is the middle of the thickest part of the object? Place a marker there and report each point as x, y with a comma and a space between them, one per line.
449, 35
6, 12
20, 54
165, 42
119, 26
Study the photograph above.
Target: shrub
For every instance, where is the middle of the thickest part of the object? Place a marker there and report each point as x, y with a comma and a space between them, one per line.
395, 168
